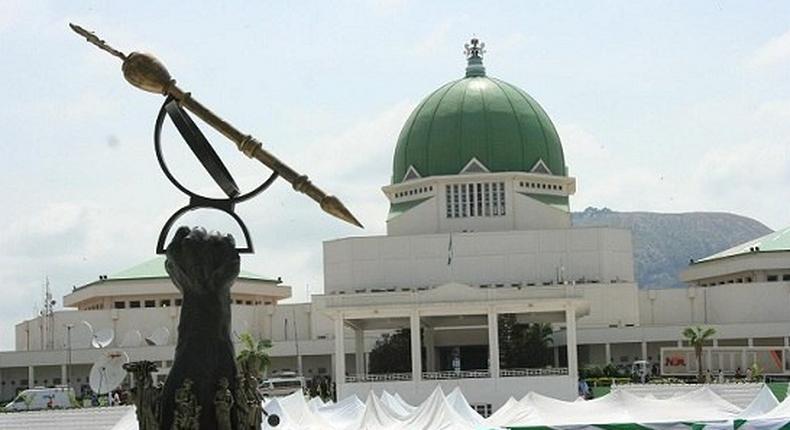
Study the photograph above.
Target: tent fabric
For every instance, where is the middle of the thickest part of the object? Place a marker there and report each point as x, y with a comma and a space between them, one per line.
740, 394
461, 406
699, 408
763, 403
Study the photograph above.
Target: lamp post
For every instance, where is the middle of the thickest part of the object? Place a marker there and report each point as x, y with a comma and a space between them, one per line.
68, 359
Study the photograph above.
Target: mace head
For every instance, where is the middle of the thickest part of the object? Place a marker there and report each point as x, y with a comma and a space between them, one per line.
146, 72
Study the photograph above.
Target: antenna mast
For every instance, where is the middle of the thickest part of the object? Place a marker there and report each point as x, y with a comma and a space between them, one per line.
48, 316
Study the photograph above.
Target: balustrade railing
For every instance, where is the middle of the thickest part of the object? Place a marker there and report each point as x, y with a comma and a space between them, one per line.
549, 371
461, 374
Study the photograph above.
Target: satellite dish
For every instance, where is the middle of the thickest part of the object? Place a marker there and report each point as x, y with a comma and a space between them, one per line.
107, 372
102, 338
159, 337
132, 339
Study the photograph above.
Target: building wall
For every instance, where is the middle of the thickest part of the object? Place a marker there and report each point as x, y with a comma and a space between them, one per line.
535, 257
721, 304
521, 212
706, 272
31, 335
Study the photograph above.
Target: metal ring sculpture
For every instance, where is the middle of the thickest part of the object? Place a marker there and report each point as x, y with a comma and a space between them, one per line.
202, 149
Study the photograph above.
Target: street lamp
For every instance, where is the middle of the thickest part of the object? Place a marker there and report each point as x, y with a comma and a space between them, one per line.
68, 363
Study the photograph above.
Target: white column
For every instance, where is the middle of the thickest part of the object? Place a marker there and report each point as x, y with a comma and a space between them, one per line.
430, 349
715, 343
608, 352
31, 375
787, 341
270, 322
359, 351
493, 343
570, 341
64, 374
340, 351
680, 343
416, 356
644, 350
750, 342
299, 366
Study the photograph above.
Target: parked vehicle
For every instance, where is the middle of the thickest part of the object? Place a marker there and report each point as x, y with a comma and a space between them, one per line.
284, 384
42, 398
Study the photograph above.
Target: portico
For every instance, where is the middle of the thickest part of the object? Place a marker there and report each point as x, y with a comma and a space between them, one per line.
453, 314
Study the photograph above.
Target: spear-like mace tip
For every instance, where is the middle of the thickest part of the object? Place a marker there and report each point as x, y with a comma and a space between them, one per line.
333, 206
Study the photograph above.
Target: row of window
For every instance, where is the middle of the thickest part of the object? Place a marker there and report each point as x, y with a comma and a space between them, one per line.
475, 200
747, 279
414, 191
136, 304
538, 185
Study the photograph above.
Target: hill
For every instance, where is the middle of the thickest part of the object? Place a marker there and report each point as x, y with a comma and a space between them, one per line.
664, 243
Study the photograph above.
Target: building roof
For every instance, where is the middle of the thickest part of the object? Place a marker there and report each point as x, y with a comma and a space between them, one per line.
155, 268
774, 242
482, 118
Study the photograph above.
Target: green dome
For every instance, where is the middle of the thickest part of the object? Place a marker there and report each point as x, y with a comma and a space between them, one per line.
477, 117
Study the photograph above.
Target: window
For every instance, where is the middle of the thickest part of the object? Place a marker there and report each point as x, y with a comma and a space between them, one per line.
448, 202
178, 302
119, 305
150, 303
475, 200
786, 277
248, 303
772, 278
238, 302
134, 304
484, 409
164, 303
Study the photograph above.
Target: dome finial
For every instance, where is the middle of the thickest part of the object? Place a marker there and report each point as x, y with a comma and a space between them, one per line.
474, 51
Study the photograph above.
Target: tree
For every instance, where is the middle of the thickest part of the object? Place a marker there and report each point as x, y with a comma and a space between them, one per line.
697, 336
538, 339
524, 345
392, 353
254, 356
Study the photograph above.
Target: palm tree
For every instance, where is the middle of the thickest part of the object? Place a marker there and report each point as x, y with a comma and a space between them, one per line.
253, 359
697, 336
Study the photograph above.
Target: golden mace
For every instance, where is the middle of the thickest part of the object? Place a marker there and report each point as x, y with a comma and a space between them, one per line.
146, 72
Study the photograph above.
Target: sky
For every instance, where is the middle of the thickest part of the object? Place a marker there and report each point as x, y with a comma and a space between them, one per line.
669, 106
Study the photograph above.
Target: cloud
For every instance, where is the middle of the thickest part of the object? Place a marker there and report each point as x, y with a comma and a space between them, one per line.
436, 40
743, 177
775, 52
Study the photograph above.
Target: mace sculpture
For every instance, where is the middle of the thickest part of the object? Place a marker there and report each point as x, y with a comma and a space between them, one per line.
204, 389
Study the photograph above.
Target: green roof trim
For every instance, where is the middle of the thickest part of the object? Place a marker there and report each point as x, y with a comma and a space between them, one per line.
477, 117
557, 202
155, 268
399, 208
777, 241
